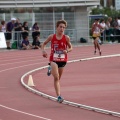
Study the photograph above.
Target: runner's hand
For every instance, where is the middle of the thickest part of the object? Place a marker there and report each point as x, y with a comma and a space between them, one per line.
65, 51
44, 54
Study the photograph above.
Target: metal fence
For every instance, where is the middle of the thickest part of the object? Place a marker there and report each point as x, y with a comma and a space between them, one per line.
108, 36
78, 23
46, 21
43, 36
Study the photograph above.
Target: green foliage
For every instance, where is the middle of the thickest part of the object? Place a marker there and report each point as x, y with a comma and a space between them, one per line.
106, 11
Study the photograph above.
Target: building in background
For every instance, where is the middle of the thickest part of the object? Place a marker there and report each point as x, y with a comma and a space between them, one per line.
46, 12
117, 4
111, 3
43, 5
107, 3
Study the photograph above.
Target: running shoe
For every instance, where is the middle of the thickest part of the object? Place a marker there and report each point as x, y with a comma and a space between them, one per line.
100, 42
60, 99
8, 48
49, 70
100, 53
94, 52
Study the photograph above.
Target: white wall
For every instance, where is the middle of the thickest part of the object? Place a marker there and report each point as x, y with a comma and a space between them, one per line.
82, 22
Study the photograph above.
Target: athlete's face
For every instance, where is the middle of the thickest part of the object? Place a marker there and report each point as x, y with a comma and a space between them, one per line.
61, 28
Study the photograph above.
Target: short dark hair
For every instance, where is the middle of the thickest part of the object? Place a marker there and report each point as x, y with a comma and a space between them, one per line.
97, 19
102, 20
61, 21
2, 22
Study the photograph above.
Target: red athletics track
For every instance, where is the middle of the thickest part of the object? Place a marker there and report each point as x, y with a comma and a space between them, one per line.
83, 86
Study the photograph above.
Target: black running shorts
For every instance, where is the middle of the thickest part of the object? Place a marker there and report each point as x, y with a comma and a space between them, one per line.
60, 64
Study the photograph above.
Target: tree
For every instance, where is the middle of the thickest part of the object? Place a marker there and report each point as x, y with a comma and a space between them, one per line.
108, 3
106, 11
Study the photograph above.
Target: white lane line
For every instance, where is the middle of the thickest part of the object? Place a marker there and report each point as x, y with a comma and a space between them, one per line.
18, 58
117, 114
20, 62
20, 67
24, 112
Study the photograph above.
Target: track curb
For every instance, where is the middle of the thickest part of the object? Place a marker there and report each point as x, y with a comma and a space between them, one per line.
117, 114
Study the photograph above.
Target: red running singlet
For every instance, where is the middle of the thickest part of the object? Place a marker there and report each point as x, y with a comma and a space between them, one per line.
57, 47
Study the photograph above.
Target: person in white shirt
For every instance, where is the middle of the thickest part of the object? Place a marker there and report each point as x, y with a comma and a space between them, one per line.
107, 31
119, 29
3, 27
102, 24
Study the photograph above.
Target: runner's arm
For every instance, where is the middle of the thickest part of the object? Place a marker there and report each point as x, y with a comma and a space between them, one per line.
69, 49
44, 53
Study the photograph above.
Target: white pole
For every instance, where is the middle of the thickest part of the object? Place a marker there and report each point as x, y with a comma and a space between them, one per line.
53, 20
62, 15
3, 16
105, 3
33, 17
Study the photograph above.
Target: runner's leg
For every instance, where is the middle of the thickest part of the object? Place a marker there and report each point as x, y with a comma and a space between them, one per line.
55, 73
95, 46
60, 70
98, 45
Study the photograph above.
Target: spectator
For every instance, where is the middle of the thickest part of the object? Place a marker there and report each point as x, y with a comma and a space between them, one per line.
107, 32
9, 28
110, 20
119, 30
35, 30
18, 29
3, 27
115, 29
119, 21
26, 44
36, 43
25, 30
102, 23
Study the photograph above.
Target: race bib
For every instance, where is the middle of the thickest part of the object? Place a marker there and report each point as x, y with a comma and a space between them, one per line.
57, 56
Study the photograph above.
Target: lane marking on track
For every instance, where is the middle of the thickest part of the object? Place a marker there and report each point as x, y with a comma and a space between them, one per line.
117, 114
21, 62
24, 112
19, 67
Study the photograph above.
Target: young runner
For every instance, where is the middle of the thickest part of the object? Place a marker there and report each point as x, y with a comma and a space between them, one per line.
96, 32
60, 47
